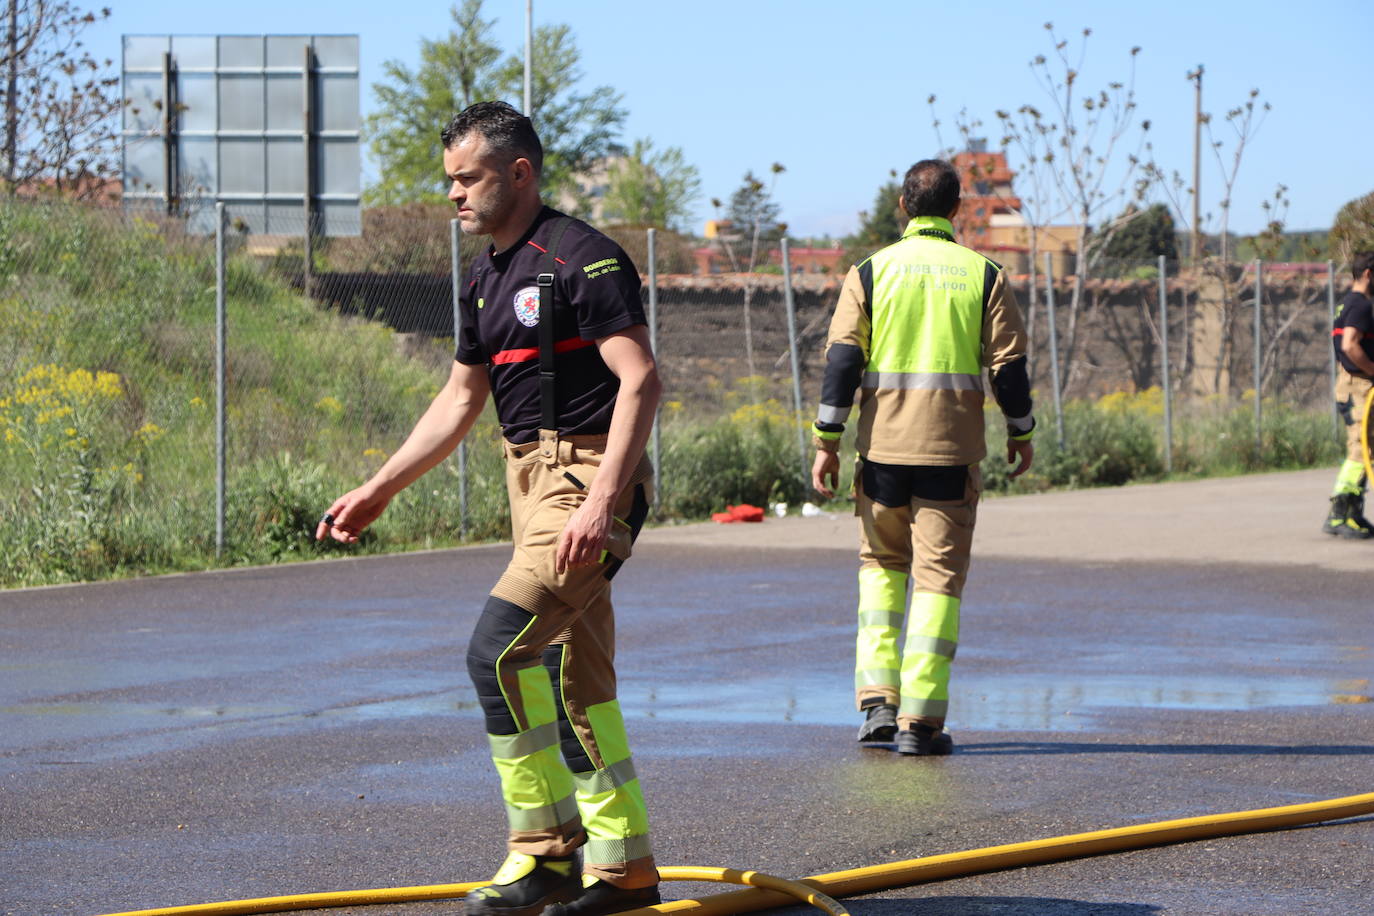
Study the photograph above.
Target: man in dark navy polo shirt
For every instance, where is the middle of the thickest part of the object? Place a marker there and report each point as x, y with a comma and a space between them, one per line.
579, 486
1353, 338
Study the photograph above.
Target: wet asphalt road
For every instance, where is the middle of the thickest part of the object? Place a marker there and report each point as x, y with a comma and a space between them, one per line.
308, 728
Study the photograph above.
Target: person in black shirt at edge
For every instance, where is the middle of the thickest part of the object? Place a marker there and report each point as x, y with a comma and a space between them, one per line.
541, 654
1353, 339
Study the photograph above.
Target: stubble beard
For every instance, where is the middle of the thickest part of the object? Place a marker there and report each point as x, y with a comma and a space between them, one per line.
487, 215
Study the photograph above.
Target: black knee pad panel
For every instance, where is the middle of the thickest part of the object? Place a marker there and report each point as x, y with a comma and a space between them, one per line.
573, 752
499, 626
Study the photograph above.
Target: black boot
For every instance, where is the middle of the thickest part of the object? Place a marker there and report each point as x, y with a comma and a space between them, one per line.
881, 724
1342, 522
601, 897
924, 741
525, 885
1357, 514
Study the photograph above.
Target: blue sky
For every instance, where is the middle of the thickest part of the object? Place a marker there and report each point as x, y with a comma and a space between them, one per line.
837, 91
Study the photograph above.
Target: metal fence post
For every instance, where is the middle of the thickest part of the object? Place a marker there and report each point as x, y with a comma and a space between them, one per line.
1054, 349
221, 438
1259, 419
792, 349
455, 234
653, 344
1164, 365
1331, 317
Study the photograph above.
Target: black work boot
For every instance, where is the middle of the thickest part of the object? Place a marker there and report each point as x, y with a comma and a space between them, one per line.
601, 897
924, 741
1357, 513
525, 885
881, 724
1342, 522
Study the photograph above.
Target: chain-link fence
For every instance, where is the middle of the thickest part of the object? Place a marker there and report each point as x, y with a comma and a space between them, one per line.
125, 427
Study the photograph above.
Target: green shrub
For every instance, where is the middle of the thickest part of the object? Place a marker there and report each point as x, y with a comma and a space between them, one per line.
749, 456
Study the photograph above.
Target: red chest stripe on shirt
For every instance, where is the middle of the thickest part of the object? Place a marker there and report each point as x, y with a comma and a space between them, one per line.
546, 251
528, 353
1339, 332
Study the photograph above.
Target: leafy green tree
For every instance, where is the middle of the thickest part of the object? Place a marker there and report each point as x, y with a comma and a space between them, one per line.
578, 128
1142, 235
1354, 228
752, 209
651, 188
880, 226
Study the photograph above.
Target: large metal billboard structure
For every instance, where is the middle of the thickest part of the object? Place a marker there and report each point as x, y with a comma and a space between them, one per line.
265, 124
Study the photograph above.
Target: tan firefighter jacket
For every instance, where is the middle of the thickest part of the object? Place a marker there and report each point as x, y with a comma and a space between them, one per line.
915, 326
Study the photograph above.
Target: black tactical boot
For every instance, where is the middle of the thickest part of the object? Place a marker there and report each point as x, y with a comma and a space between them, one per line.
525, 885
924, 741
1342, 522
1357, 514
600, 897
881, 724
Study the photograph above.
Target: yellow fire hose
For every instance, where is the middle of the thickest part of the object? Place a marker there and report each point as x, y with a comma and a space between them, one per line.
767, 891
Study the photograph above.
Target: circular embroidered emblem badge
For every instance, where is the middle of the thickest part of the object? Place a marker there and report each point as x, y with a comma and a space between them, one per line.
527, 306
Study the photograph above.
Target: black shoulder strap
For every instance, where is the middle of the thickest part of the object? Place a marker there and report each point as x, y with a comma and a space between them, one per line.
548, 388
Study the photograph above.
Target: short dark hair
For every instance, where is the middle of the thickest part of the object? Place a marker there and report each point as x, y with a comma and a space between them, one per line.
508, 133
930, 188
1362, 261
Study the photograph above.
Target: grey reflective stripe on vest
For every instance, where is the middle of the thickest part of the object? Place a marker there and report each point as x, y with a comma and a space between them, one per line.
831, 414
924, 381
545, 817
930, 645
599, 851
877, 677
935, 709
598, 782
891, 619
522, 744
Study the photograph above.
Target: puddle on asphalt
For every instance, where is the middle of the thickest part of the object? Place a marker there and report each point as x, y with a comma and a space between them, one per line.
988, 703
979, 701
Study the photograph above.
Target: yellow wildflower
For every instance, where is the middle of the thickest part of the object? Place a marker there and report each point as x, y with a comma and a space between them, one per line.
330, 405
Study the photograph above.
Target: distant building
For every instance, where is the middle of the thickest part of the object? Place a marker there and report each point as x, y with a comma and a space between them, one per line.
990, 218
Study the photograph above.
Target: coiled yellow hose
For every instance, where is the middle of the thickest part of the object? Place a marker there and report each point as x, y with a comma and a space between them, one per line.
767, 891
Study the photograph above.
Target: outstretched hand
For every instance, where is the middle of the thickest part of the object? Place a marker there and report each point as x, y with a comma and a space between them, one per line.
350, 514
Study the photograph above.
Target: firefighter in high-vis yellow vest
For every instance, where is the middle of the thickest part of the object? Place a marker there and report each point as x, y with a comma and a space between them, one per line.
915, 326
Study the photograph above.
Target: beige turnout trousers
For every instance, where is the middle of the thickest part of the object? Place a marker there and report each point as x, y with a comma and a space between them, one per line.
542, 660
926, 542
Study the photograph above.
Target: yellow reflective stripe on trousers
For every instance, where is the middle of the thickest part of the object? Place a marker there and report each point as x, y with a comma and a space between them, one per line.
608, 728
535, 783
522, 744
932, 638
610, 799
889, 619
930, 645
877, 677
933, 709
606, 851
608, 780
882, 605
881, 589
545, 817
